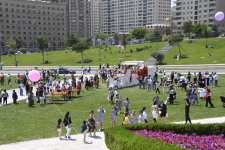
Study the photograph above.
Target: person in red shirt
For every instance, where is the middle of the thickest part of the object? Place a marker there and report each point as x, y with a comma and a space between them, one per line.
208, 98
64, 90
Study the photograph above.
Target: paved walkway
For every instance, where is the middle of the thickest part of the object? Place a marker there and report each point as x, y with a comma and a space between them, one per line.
76, 143
164, 50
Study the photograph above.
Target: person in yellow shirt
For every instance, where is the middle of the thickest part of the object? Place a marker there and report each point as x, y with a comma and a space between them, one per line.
126, 119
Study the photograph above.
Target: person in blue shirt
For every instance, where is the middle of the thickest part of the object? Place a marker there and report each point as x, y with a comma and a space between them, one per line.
84, 129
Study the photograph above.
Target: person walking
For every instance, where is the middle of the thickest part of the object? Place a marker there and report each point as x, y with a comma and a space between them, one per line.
59, 128
0, 96
5, 96
101, 112
14, 97
208, 98
84, 129
67, 122
21, 89
187, 111
113, 115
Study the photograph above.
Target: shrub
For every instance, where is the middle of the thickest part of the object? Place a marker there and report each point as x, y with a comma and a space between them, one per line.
46, 62
159, 57
131, 51
121, 138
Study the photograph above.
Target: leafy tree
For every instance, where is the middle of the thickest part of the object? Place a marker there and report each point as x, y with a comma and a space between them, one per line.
81, 47
198, 29
72, 40
157, 36
19, 44
116, 38
124, 41
175, 40
159, 57
138, 33
187, 29
42, 44
206, 31
149, 36
215, 32
11, 45
102, 36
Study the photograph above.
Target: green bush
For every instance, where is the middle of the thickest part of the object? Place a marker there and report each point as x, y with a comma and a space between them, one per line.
121, 138
131, 50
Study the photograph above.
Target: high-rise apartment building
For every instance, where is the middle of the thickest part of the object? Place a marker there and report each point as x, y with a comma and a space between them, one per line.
201, 11
95, 17
27, 20
79, 17
122, 16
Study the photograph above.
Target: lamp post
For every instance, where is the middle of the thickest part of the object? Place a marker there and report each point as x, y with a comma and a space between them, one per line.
99, 51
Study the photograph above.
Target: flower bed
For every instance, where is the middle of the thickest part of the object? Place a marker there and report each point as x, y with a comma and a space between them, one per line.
193, 141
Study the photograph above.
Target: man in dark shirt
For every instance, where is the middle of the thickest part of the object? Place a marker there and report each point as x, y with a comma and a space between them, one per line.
187, 111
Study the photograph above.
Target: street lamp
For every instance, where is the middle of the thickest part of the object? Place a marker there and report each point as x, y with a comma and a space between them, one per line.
99, 52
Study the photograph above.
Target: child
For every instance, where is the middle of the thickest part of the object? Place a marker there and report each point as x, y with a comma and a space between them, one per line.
59, 128
84, 130
14, 97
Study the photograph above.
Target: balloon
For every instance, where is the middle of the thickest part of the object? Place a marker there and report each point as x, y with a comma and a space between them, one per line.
34, 75
119, 46
219, 16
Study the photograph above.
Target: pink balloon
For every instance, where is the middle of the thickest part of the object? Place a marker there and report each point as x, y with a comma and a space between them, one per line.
34, 75
219, 16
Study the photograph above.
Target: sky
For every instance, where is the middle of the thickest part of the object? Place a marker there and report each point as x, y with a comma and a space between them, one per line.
172, 2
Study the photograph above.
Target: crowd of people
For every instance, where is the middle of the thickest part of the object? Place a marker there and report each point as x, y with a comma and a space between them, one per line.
171, 84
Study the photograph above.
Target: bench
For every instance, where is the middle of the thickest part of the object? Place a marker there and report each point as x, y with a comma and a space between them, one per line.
56, 96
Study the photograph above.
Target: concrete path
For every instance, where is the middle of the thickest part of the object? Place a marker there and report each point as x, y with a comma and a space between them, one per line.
76, 143
164, 50
205, 121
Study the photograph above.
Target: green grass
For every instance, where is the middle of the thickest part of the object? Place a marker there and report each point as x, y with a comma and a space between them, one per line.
8, 87
68, 58
197, 53
19, 122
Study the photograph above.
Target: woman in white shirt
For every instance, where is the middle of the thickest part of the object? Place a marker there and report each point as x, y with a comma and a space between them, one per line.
141, 118
155, 112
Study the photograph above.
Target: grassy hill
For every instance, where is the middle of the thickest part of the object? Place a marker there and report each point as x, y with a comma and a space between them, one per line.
197, 53
70, 58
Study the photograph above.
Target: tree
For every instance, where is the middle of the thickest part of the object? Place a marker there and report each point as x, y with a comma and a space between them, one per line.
101, 36
138, 33
81, 47
42, 44
19, 44
157, 36
116, 38
11, 45
175, 40
124, 41
72, 40
159, 57
206, 31
198, 29
187, 29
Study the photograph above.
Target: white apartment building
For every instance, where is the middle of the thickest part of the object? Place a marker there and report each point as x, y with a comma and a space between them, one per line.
26, 20
78, 12
95, 17
202, 11
123, 15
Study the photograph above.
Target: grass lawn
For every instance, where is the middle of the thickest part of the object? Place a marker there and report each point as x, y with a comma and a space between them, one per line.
8, 87
68, 58
19, 122
196, 52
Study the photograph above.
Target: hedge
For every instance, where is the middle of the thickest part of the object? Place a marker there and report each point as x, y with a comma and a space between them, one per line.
121, 138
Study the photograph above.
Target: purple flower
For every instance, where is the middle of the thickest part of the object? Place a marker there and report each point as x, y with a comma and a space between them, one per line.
193, 141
